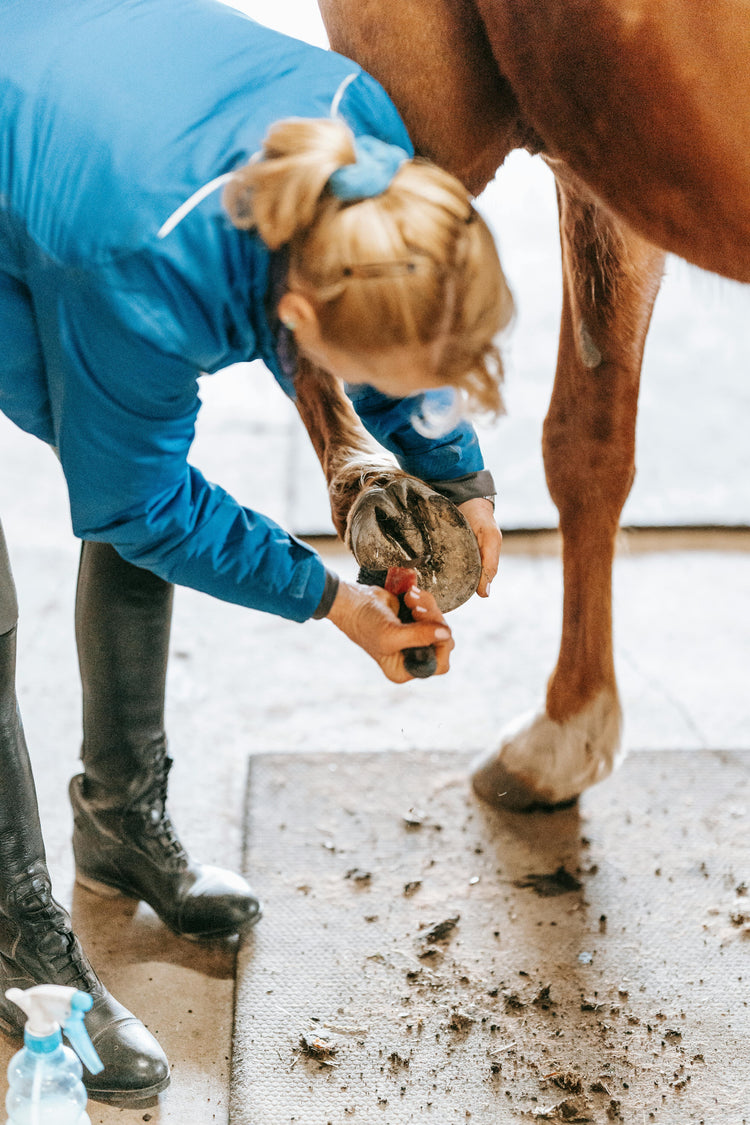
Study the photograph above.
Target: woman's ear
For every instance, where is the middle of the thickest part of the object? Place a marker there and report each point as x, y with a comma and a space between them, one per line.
298, 315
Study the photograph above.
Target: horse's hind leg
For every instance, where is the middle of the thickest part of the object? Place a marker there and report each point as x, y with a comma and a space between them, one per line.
610, 281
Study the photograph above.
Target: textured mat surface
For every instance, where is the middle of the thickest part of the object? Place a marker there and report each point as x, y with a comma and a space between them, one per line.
423, 958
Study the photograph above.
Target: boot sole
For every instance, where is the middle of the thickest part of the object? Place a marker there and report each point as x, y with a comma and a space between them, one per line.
122, 1099
110, 891
104, 890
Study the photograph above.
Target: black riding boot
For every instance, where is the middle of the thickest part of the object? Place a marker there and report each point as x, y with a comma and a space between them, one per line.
123, 839
37, 943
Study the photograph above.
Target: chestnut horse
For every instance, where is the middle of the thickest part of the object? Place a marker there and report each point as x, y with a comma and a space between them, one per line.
642, 111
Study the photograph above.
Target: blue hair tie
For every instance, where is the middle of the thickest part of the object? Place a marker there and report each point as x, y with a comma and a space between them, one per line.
376, 165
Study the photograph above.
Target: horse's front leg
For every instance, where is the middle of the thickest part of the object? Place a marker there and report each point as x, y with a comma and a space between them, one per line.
610, 281
351, 461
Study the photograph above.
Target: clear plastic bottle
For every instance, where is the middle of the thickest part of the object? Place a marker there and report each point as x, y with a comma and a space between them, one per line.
45, 1076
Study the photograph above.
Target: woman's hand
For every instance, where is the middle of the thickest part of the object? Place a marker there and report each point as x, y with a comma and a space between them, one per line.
368, 615
480, 516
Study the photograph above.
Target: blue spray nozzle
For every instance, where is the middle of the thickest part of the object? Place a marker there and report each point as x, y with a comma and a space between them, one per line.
81, 1002
78, 1036
50, 1007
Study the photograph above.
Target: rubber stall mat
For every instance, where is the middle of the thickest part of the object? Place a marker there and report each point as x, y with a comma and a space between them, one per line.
425, 958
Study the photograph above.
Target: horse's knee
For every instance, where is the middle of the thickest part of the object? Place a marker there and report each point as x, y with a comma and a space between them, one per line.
589, 459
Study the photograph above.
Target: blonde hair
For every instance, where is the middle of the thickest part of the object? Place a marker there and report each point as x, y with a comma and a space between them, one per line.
409, 266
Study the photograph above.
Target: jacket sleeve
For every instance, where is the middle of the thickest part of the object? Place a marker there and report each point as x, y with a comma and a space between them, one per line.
410, 428
125, 418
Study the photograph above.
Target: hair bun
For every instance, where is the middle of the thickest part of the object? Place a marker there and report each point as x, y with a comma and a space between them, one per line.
279, 191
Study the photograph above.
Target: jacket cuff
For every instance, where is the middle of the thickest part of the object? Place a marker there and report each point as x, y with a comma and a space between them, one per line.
329, 593
470, 487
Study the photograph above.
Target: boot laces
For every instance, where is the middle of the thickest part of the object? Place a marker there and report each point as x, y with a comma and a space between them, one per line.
46, 928
157, 821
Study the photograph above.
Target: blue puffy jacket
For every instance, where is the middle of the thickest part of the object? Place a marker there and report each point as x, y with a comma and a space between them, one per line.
112, 114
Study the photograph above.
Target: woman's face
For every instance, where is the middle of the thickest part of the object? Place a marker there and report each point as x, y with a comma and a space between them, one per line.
395, 371
398, 371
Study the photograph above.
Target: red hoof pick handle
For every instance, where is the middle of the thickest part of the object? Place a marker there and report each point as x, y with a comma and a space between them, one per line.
419, 662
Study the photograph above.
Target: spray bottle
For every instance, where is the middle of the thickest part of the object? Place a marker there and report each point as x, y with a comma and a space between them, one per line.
45, 1076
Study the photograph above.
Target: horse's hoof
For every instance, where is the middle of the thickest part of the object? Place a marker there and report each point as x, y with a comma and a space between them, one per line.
497, 786
405, 523
542, 764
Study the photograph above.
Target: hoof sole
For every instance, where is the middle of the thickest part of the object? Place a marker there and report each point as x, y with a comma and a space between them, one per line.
407, 524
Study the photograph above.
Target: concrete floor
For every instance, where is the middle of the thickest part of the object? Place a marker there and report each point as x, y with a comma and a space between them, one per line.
242, 683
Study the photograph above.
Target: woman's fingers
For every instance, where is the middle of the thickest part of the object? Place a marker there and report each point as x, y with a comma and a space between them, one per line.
369, 616
480, 516
425, 612
490, 542
423, 606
